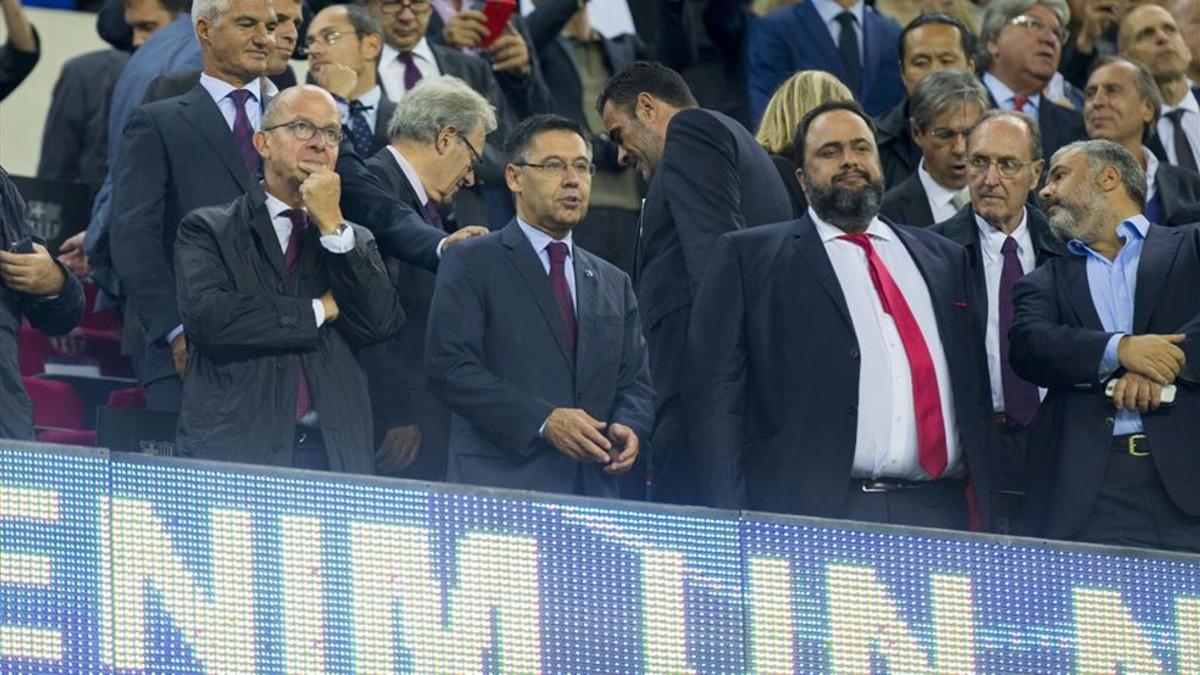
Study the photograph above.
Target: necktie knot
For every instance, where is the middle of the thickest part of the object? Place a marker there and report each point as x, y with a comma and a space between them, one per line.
1176, 115
240, 97
1019, 102
298, 217
1009, 246
960, 199
846, 19
357, 106
412, 74
557, 251
861, 240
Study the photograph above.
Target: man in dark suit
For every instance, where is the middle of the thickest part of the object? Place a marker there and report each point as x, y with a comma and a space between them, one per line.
1022, 44
945, 105
1005, 239
707, 176
845, 37
832, 366
275, 290
180, 154
429, 159
1122, 105
932, 41
1117, 469
553, 392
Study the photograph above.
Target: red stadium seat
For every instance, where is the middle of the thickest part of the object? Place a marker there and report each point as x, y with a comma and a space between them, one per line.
132, 397
68, 437
55, 404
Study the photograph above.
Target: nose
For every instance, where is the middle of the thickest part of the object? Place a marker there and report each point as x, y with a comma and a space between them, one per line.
959, 146
139, 37
622, 156
1046, 192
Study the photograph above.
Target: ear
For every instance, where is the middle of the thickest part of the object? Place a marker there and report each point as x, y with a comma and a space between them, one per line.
512, 178
645, 106
262, 143
371, 47
914, 130
444, 138
1036, 170
203, 28
971, 63
800, 181
1109, 178
993, 49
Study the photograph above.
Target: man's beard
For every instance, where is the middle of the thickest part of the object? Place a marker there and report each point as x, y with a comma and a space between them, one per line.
1069, 221
845, 208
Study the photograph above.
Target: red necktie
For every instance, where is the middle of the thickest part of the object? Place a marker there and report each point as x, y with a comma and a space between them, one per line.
292, 258
562, 292
1019, 102
931, 428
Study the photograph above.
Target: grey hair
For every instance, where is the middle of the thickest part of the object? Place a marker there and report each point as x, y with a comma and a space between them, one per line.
1000, 12
1100, 154
1031, 125
1146, 86
944, 90
436, 103
208, 10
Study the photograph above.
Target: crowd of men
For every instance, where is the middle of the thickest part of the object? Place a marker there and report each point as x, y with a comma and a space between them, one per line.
530, 258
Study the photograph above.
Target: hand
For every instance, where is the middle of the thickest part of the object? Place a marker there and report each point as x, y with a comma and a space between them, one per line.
1099, 18
179, 354
463, 234
336, 79
322, 192
32, 273
1154, 356
466, 29
624, 451
70, 254
574, 433
1137, 393
509, 52
399, 449
330, 306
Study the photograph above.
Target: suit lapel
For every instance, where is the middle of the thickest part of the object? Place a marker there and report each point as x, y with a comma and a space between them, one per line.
585, 304
935, 275
1158, 254
811, 249
268, 241
816, 33
200, 111
529, 266
1080, 293
383, 115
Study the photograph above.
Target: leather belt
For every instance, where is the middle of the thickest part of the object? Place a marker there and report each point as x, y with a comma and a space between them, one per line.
1136, 445
897, 484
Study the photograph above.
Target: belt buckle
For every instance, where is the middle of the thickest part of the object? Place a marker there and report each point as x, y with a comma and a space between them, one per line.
1132, 446
868, 485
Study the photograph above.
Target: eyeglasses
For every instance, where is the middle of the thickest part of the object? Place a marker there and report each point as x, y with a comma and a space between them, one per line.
557, 167
331, 37
476, 160
397, 6
1035, 24
304, 130
1008, 167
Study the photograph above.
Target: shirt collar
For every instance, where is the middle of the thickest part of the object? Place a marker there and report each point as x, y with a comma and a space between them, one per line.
934, 190
219, 89
1136, 227
371, 97
421, 50
276, 206
829, 10
1151, 172
877, 229
411, 174
993, 238
1189, 103
1003, 94
540, 239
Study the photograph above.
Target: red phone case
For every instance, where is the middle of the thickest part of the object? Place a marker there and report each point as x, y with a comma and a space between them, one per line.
497, 13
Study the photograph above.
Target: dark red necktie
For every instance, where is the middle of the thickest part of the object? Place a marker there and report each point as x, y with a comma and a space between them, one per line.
432, 216
562, 292
412, 74
927, 401
1020, 397
1019, 102
292, 258
243, 132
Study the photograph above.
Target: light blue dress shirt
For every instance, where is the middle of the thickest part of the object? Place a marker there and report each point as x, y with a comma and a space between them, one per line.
1006, 97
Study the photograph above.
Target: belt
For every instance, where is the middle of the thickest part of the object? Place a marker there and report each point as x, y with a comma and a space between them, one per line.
1131, 444
897, 484
1007, 423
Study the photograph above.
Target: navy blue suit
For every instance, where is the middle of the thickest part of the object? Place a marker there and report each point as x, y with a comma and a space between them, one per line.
796, 38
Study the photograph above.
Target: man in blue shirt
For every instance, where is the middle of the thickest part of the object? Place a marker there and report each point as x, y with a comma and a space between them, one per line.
1114, 447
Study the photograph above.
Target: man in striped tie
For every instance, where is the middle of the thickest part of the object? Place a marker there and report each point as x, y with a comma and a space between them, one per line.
832, 366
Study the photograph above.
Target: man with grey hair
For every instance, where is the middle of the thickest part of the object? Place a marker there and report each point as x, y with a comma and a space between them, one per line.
1114, 443
1022, 43
1122, 106
944, 107
435, 135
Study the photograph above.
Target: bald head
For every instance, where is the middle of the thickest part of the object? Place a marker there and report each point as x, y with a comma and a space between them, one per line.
1151, 36
299, 136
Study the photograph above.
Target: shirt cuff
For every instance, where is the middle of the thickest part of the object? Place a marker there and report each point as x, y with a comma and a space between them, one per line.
341, 241
174, 333
1109, 362
319, 311
441, 245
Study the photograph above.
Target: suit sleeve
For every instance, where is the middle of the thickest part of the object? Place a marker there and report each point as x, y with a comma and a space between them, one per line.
715, 381
701, 180
220, 319
768, 60
368, 308
136, 226
65, 127
1044, 350
547, 21
635, 394
1191, 346
456, 364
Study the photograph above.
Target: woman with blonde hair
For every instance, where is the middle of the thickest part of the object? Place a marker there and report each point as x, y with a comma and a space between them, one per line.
798, 94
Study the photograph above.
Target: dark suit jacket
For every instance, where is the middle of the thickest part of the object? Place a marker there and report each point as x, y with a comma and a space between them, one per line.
773, 369
178, 154
180, 82
907, 203
1058, 342
787, 173
383, 115
898, 154
251, 328
1155, 143
498, 356
1059, 126
1176, 189
795, 38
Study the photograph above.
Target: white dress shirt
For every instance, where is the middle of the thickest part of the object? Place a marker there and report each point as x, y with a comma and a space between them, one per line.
1191, 127
220, 90
830, 10
539, 240
415, 181
1006, 98
886, 442
341, 242
370, 98
941, 199
1151, 173
391, 68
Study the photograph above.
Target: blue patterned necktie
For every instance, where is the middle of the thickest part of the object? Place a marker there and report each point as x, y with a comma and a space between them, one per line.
360, 129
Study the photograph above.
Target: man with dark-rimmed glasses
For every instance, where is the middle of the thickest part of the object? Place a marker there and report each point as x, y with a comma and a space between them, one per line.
275, 290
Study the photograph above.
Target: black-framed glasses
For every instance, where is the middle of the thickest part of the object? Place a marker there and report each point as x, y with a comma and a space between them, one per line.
397, 6
557, 167
476, 159
304, 130
1036, 25
1008, 167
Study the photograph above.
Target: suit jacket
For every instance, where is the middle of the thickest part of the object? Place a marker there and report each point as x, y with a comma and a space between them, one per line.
908, 203
1058, 342
773, 369
898, 154
1176, 189
383, 115
251, 328
787, 174
796, 38
1155, 143
1059, 126
503, 372
178, 154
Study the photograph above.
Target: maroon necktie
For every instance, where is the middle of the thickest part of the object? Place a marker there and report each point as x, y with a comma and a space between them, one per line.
1019, 102
432, 216
243, 132
1020, 397
412, 74
292, 258
562, 292
927, 401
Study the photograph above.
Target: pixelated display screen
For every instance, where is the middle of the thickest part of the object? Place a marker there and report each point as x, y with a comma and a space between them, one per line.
121, 563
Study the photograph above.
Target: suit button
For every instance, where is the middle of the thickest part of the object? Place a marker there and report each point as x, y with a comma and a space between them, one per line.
1109, 421
279, 288
853, 409
854, 353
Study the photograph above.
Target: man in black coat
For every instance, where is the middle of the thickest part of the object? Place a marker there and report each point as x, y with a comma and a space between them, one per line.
833, 368
275, 290
1109, 332
707, 176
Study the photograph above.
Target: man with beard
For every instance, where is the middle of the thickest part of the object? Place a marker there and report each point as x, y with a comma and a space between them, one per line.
1119, 353
833, 368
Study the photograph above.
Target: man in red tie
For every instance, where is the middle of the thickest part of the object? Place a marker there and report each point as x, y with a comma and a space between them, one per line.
833, 365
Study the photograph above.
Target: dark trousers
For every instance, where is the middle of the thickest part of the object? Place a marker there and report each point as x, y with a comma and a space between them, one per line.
1134, 509
1009, 475
941, 504
165, 395
309, 450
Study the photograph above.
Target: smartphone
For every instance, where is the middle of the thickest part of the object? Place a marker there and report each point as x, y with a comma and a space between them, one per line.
497, 13
1167, 397
23, 246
